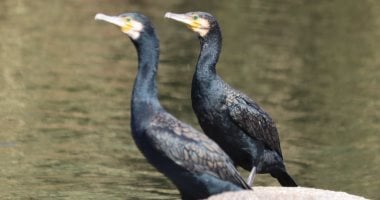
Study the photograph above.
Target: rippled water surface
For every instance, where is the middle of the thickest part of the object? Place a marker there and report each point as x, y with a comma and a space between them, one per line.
66, 80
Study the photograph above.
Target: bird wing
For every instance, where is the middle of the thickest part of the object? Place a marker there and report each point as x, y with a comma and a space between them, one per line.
253, 120
191, 149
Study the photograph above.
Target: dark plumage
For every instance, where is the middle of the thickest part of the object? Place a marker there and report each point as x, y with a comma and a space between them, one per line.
193, 162
243, 129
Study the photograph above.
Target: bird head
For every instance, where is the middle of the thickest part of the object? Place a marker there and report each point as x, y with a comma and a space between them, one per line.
132, 24
199, 22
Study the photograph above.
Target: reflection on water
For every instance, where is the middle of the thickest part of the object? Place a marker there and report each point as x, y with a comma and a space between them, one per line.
65, 84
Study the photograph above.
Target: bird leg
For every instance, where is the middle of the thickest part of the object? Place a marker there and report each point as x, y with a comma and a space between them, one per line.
251, 176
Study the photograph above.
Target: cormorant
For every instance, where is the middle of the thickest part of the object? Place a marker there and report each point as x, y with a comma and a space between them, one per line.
232, 119
195, 164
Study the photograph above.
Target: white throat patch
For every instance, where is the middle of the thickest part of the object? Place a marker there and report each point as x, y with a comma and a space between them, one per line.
135, 30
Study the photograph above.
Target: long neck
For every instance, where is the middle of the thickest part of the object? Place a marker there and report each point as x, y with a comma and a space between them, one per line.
144, 96
211, 46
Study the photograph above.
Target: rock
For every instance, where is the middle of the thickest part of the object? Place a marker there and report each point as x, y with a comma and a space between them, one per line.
294, 193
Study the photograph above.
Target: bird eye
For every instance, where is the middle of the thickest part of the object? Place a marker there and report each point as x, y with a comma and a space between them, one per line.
128, 19
195, 17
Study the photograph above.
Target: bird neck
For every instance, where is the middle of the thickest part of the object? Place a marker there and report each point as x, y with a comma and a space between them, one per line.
144, 95
211, 46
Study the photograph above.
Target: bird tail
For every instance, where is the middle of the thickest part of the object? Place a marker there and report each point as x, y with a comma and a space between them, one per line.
284, 178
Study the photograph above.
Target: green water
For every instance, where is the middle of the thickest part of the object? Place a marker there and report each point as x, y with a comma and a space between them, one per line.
66, 81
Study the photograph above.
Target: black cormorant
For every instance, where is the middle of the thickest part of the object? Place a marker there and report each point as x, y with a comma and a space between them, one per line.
232, 119
193, 162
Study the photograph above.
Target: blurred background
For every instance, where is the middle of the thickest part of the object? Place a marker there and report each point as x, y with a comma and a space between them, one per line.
66, 81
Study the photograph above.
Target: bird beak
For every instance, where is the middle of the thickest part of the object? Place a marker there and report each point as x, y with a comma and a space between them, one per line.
118, 21
200, 26
184, 18
111, 19
179, 17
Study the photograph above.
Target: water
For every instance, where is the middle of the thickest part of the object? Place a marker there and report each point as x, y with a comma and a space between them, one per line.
66, 80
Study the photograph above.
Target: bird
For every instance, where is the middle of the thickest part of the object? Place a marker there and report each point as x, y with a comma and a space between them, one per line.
232, 119
194, 163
